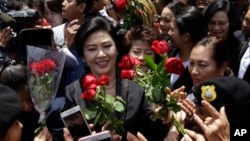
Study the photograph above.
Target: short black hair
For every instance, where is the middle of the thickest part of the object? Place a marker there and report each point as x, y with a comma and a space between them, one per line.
190, 20
91, 25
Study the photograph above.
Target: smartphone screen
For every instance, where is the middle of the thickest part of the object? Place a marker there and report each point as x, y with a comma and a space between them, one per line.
101, 136
75, 122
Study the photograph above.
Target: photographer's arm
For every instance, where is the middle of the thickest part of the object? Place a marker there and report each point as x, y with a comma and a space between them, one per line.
71, 62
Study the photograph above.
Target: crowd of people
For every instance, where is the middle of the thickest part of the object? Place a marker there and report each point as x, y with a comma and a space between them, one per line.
211, 37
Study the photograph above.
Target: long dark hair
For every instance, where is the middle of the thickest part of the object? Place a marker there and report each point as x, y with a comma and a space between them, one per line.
190, 20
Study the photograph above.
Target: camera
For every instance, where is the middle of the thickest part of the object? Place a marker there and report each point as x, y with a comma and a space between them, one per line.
10, 15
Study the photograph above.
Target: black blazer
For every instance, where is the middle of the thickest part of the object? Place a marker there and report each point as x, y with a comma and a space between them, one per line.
246, 76
185, 79
137, 111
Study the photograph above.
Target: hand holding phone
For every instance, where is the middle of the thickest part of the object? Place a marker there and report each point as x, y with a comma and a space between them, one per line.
101, 136
75, 122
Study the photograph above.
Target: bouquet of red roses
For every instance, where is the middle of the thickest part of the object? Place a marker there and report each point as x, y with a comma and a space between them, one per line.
44, 73
156, 79
102, 105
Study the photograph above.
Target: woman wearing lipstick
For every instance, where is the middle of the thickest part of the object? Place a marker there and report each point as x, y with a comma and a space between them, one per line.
137, 43
222, 21
208, 59
96, 44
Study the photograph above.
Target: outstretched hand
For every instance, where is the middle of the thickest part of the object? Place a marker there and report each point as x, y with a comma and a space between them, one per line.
192, 136
181, 94
139, 137
216, 127
44, 135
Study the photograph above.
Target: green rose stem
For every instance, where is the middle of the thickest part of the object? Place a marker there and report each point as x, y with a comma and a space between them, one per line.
42, 123
179, 126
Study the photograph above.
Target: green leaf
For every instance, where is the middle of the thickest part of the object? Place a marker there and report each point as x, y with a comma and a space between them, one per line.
160, 67
97, 118
39, 129
118, 106
118, 126
156, 94
109, 99
120, 99
174, 107
155, 80
150, 63
90, 113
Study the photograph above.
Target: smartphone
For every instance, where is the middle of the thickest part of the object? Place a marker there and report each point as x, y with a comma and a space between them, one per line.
76, 123
101, 136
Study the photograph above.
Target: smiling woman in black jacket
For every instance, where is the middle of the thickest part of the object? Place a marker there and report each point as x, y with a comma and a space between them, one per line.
96, 43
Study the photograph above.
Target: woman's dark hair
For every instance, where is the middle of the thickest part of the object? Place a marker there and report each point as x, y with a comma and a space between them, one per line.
223, 5
90, 26
89, 4
144, 33
175, 5
14, 75
54, 5
190, 20
218, 47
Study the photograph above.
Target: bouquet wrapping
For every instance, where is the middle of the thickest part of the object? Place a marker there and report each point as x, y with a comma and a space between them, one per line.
44, 74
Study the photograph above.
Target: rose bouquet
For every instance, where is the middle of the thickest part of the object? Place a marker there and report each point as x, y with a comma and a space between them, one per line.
156, 79
102, 105
44, 73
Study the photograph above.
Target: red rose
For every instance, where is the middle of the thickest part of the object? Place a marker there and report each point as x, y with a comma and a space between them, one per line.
103, 80
88, 80
36, 69
174, 65
92, 86
127, 74
128, 62
49, 65
121, 5
89, 94
160, 47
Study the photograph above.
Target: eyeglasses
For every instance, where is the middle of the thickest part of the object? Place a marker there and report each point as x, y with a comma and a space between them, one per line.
220, 24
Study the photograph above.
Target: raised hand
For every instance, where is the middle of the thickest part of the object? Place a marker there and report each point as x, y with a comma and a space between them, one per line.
139, 137
216, 126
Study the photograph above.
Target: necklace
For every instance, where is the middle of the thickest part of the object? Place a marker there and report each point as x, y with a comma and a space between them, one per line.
111, 85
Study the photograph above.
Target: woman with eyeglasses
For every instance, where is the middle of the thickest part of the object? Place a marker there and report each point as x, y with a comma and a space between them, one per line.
222, 21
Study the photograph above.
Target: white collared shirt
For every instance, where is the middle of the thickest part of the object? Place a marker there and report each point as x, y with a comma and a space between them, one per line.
244, 63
